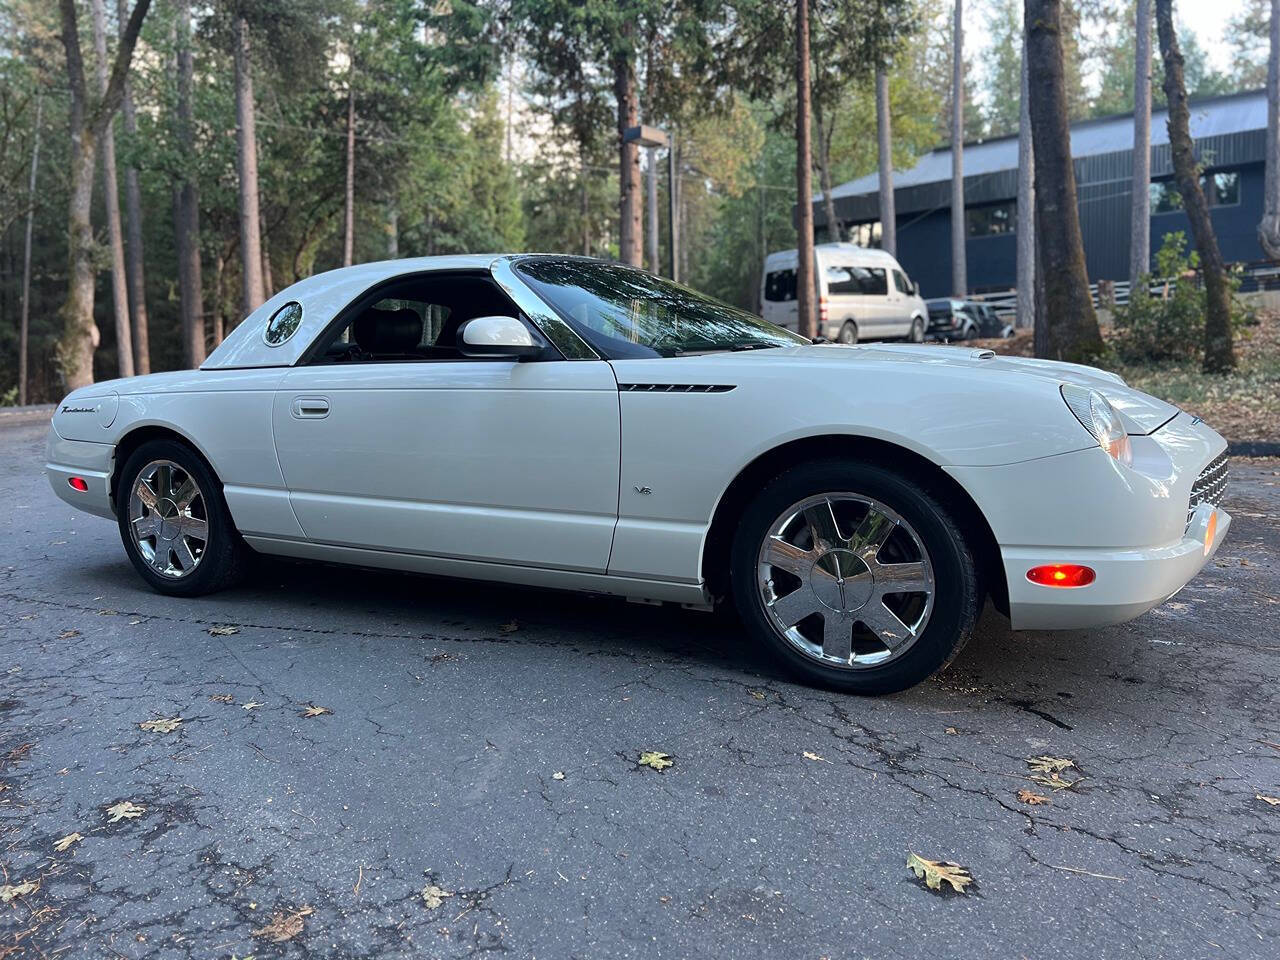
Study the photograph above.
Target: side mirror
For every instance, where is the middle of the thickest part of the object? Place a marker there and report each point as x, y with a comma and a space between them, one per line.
498, 338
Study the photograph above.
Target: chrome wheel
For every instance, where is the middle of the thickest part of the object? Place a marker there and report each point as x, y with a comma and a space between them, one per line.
167, 519
845, 580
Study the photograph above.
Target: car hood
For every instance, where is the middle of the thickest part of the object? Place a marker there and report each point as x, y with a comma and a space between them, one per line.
1141, 412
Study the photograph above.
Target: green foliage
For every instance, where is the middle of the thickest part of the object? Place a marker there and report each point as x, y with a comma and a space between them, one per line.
1168, 325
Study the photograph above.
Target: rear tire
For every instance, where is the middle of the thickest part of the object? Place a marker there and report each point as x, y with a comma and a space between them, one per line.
905, 538
848, 333
174, 522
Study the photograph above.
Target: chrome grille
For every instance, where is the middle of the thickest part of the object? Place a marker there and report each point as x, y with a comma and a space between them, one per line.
1211, 485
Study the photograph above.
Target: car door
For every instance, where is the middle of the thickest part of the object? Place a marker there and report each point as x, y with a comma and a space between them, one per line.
488, 460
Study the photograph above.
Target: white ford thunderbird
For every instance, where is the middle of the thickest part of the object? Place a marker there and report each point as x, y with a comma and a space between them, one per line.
568, 423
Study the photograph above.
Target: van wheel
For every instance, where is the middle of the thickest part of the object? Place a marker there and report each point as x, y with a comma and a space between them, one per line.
917, 331
848, 333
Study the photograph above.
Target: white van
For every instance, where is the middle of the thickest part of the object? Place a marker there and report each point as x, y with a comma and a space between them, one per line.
863, 294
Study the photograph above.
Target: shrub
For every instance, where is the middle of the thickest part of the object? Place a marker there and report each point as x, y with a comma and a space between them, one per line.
1168, 324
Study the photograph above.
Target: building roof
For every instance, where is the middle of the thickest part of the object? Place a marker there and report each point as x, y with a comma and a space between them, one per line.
1212, 117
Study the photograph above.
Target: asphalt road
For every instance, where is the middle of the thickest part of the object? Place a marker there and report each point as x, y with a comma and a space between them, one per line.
484, 740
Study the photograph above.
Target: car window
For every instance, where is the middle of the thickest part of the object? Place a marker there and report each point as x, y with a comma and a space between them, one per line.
901, 282
780, 286
624, 312
413, 318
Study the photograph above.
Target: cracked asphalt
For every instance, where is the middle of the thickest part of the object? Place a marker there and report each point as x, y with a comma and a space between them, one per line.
484, 740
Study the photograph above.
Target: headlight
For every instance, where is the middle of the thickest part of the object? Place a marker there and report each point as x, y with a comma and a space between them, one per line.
1095, 412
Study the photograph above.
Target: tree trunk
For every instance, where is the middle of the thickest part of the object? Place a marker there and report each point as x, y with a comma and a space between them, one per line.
584, 211
651, 211
959, 264
1140, 216
834, 233
1218, 354
24, 322
349, 216
111, 200
86, 127
1026, 206
135, 274
1067, 329
629, 232
393, 232
884, 150
1269, 228
247, 145
807, 323
186, 204
216, 331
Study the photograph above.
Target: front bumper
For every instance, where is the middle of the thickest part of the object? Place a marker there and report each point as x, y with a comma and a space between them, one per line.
1130, 525
91, 462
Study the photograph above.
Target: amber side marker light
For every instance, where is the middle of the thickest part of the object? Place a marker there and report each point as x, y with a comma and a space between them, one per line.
1062, 575
78, 483
1210, 532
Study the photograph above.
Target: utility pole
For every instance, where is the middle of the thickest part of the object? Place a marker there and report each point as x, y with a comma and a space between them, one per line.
651, 201
959, 267
24, 323
1140, 219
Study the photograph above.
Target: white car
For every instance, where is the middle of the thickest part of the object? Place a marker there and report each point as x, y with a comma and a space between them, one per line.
569, 423
863, 294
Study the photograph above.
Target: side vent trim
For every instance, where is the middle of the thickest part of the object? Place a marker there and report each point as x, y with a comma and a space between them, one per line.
676, 387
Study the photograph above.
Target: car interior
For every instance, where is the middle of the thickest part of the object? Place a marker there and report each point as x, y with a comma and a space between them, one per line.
413, 318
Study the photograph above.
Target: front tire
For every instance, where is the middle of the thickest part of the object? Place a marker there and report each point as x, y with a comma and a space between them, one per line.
854, 576
174, 521
917, 331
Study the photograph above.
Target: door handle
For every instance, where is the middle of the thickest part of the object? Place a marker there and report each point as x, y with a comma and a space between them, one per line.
310, 408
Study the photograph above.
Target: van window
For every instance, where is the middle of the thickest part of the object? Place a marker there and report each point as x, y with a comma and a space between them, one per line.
780, 286
868, 281
901, 282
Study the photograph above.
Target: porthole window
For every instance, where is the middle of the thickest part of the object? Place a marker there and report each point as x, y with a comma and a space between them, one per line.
282, 324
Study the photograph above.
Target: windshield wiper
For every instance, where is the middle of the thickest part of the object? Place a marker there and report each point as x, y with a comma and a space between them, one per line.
739, 347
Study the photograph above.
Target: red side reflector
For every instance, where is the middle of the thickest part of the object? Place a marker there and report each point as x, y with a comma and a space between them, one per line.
1061, 575
78, 483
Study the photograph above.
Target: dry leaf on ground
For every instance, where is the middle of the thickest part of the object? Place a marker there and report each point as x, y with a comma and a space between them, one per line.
655, 759
124, 810
433, 896
68, 634
11, 891
1049, 764
810, 755
223, 630
558, 775
62, 845
251, 705
935, 873
510, 627
161, 726
1032, 798
314, 711
1273, 801
1055, 782
283, 926
223, 698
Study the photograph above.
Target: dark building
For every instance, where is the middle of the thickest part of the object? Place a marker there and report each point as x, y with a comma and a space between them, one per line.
1229, 133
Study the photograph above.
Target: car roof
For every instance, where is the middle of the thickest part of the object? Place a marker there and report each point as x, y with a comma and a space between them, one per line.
323, 296
835, 251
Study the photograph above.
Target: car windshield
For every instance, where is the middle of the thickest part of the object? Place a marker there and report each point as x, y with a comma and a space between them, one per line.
626, 313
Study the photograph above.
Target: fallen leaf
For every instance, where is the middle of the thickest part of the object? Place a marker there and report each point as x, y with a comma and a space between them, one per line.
223, 698
1055, 782
558, 775
251, 705
314, 711
125, 810
1273, 801
1032, 798
935, 873
652, 758
510, 627
68, 634
433, 896
65, 843
283, 926
223, 631
758, 694
952, 730
9, 891
161, 726
808, 755
1049, 764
